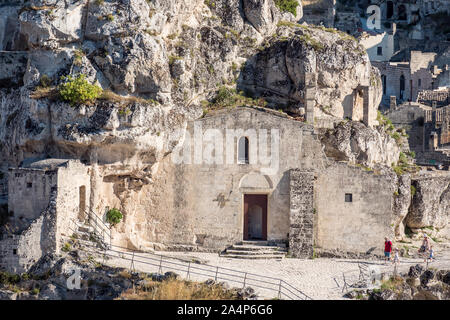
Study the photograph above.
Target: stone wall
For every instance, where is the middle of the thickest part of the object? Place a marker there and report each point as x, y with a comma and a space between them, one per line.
18, 252
29, 193
411, 117
357, 224
301, 231
71, 177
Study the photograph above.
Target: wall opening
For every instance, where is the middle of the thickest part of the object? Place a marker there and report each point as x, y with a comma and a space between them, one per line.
255, 217
402, 86
379, 51
389, 9
243, 150
348, 197
82, 204
402, 12
383, 81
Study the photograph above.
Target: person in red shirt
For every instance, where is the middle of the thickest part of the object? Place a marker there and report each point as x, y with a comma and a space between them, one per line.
387, 249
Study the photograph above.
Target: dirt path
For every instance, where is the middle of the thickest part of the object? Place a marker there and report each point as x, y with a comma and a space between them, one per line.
320, 278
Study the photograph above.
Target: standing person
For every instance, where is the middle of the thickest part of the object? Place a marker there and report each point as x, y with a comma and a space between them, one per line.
396, 257
387, 249
425, 245
431, 254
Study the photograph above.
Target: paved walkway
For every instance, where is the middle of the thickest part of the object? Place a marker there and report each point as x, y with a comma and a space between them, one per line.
318, 278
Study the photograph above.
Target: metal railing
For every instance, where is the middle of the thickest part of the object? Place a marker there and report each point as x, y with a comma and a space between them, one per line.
100, 228
189, 269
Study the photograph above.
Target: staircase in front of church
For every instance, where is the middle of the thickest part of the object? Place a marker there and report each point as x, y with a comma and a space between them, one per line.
255, 249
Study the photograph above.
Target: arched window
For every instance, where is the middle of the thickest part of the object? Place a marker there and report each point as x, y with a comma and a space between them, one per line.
243, 150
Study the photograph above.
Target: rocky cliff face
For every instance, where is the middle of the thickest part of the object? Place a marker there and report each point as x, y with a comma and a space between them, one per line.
175, 53
430, 203
354, 142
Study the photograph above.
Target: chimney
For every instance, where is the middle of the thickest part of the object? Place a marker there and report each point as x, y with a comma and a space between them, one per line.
393, 103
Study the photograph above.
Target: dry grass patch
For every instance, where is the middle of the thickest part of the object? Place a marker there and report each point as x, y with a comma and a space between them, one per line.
44, 92
173, 289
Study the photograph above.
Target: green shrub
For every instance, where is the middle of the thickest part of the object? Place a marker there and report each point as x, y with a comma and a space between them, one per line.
229, 98
78, 90
287, 6
9, 278
45, 81
66, 248
114, 216
413, 191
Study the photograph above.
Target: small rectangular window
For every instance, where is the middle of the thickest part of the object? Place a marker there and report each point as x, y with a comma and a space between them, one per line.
348, 197
380, 51
29, 185
14, 251
419, 82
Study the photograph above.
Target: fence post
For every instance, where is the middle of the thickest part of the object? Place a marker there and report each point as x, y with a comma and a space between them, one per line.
132, 263
160, 264
189, 268
245, 278
217, 271
279, 290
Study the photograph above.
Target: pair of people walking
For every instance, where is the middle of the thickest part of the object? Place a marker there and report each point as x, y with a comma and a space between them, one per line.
425, 250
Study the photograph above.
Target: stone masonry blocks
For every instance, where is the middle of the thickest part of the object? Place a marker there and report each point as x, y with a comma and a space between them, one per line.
301, 236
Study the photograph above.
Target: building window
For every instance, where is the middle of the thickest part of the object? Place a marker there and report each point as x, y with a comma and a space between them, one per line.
243, 150
402, 86
29, 185
348, 197
402, 15
14, 251
390, 9
419, 82
380, 51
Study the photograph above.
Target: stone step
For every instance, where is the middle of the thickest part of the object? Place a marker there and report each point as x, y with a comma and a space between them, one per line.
85, 229
253, 242
256, 256
257, 248
254, 252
